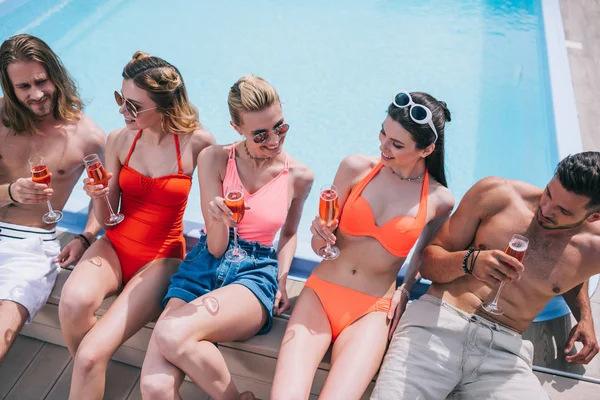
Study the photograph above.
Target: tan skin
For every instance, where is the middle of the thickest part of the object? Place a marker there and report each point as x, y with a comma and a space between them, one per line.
63, 145
363, 265
92, 342
183, 337
560, 258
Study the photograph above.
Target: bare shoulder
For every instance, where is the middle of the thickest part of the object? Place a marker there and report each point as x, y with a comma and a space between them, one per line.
91, 131
118, 137
355, 166
590, 243
494, 191
200, 139
215, 154
302, 174
444, 199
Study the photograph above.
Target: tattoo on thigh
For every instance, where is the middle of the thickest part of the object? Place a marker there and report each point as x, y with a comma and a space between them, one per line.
289, 335
97, 261
211, 304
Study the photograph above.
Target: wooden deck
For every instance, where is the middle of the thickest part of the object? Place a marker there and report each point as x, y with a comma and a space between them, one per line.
36, 370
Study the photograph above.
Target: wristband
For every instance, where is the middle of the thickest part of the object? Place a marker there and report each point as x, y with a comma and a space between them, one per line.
404, 292
86, 242
10, 194
465, 259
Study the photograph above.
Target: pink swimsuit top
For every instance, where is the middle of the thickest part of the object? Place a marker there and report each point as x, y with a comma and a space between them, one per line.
268, 205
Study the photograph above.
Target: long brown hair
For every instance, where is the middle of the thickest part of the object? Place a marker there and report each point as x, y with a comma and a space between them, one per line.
68, 106
166, 88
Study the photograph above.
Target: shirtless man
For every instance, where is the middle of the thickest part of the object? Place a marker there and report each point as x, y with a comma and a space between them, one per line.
445, 343
41, 115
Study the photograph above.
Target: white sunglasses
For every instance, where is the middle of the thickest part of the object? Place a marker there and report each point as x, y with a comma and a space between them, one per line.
418, 112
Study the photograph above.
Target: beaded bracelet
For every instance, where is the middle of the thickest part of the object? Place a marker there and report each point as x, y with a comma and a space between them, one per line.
474, 260
465, 259
404, 292
10, 194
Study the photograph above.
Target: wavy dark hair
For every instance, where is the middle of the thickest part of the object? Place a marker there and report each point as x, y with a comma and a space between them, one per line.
16, 116
422, 134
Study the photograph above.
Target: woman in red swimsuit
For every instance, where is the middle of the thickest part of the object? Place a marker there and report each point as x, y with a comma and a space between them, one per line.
388, 204
152, 161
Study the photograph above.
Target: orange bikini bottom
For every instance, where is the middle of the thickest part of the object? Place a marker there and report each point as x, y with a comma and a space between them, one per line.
344, 306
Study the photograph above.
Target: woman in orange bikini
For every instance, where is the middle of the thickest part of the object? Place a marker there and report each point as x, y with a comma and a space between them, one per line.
211, 299
388, 203
152, 161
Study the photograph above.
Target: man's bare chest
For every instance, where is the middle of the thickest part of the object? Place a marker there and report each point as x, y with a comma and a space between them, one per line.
62, 154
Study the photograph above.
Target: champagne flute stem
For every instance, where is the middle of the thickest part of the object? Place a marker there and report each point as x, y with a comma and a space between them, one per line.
495, 302
112, 213
235, 241
51, 213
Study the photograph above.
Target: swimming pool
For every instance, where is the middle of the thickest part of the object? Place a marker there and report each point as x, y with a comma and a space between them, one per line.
336, 68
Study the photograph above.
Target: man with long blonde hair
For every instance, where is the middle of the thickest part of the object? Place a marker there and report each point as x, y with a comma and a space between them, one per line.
41, 115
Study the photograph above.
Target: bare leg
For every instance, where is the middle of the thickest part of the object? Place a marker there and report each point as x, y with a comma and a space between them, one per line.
356, 357
305, 342
97, 275
12, 318
185, 335
160, 380
138, 304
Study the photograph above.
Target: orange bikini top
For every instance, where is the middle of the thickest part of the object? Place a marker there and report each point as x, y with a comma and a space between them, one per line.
398, 235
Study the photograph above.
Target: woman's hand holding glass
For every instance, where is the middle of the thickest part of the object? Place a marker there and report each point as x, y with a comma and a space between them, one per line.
98, 178
219, 211
324, 231
95, 190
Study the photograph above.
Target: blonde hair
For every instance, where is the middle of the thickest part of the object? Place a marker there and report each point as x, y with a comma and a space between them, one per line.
250, 93
166, 88
15, 115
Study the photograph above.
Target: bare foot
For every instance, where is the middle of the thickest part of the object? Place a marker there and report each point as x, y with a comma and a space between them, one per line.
247, 396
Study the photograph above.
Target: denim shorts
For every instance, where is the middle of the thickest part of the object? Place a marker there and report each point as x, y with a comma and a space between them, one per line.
200, 273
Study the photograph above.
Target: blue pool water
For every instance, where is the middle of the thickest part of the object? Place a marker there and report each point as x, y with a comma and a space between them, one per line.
336, 66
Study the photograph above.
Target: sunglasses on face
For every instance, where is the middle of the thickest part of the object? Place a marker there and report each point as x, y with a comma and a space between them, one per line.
418, 112
262, 136
129, 106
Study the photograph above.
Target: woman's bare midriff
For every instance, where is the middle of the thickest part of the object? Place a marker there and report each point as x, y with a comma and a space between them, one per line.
363, 265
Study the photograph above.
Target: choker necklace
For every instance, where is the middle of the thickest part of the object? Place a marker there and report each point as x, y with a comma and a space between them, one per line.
252, 157
408, 179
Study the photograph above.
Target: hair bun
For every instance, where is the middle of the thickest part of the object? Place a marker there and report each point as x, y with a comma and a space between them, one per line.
447, 114
139, 55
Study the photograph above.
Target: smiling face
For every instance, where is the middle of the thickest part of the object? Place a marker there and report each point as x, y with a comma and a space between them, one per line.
148, 115
561, 209
256, 123
33, 87
398, 149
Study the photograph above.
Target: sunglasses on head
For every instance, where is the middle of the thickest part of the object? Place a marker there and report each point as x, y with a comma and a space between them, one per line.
129, 106
418, 112
262, 136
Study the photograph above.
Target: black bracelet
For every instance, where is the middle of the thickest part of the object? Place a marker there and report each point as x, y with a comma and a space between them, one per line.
465, 259
86, 242
474, 260
10, 194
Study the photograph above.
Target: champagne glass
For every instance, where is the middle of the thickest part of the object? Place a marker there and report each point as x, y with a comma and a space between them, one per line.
234, 200
96, 171
329, 210
41, 174
516, 248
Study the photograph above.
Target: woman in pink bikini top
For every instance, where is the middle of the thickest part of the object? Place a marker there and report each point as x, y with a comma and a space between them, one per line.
213, 297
